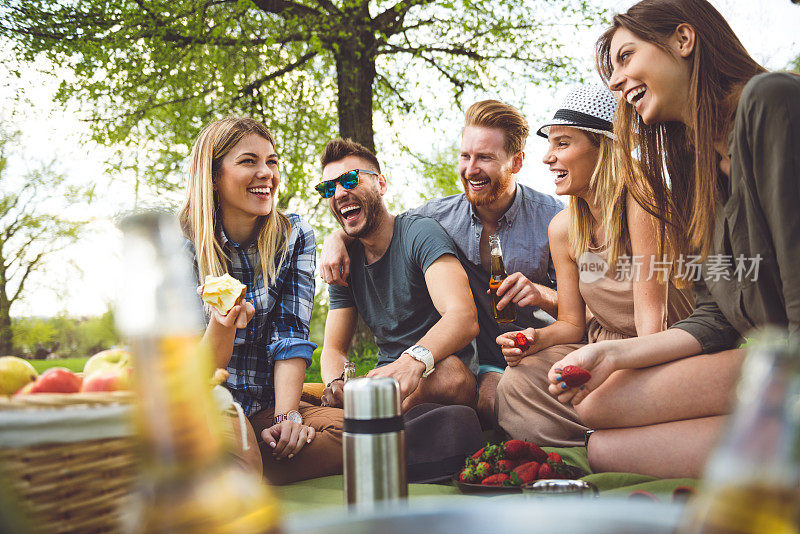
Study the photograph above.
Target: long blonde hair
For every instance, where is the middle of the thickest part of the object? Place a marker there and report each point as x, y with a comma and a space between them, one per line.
199, 216
609, 193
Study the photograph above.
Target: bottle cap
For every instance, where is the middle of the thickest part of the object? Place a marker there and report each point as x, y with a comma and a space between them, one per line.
371, 398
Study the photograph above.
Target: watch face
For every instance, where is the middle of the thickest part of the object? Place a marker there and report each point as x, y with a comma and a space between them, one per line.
294, 417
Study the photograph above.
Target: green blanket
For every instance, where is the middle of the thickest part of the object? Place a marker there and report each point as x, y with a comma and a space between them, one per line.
324, 492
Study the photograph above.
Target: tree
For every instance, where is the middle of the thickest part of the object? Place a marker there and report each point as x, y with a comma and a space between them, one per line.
29, 233
152, 72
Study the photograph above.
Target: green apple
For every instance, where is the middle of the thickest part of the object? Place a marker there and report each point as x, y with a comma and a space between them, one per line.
15, 373
108, 360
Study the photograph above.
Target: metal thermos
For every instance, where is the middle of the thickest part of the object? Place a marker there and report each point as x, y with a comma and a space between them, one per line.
374, 442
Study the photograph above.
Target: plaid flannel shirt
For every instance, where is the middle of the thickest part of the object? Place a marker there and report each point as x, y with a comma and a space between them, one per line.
280, 327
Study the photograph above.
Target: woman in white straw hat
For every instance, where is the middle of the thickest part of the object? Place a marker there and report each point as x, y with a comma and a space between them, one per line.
604, 250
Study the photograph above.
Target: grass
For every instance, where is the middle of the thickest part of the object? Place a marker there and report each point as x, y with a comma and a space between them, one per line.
73, 364
364, 359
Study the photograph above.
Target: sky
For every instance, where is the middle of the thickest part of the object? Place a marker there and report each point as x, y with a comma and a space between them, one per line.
83, 279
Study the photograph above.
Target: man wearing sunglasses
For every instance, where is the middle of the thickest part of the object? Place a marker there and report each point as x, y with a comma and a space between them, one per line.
492, 152
407, 284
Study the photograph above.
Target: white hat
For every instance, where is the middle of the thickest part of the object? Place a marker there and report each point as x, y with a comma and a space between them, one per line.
587, 107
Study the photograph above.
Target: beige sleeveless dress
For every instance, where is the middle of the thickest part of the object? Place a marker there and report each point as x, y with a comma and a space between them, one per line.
525, 409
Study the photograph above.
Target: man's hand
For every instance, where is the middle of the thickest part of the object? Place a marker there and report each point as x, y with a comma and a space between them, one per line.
287, 438
333, 396
518, 289
334, 262
511, 352
406, 370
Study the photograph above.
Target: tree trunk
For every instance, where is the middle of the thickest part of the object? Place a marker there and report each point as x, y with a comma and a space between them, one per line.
355, 73
355, 69
6, 346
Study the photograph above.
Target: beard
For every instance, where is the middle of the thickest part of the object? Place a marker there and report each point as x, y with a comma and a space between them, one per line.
491, 192
371, 208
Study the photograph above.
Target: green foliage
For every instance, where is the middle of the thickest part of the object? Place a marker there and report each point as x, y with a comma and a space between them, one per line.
73, 364
30, 232
364, 359
66, 336
148, 74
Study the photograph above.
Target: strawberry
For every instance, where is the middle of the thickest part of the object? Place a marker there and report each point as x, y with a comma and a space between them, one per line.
515, 449
467, 475
478, 454
573, 375
492, 453
471, 461
504, 466
483, 470
525, 473
546, 471
521, 342
536, 453
495, 480
555, 458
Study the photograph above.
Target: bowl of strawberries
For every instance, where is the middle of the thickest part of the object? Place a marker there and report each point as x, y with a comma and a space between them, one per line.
505, 467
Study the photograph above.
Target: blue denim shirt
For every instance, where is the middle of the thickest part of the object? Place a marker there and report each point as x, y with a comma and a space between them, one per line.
280, 328
523, 238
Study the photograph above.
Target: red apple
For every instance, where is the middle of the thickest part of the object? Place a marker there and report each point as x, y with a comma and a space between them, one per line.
114, 380
55, 380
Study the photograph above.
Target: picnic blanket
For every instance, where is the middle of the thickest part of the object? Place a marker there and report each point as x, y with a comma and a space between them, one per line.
328, 491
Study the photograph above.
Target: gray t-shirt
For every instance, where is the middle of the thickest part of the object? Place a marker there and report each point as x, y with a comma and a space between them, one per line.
523, 238
391, 295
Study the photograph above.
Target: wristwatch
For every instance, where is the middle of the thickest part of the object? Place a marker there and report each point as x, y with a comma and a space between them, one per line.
421, 354
292, 415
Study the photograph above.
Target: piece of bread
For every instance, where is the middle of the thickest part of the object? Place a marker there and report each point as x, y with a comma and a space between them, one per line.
223, 292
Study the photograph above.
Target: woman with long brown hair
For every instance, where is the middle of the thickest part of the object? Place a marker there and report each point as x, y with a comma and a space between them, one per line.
718, 140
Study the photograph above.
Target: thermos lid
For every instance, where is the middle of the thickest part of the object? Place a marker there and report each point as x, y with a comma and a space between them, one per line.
371, 398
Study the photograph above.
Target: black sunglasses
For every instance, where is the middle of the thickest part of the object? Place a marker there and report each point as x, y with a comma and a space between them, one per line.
349, 180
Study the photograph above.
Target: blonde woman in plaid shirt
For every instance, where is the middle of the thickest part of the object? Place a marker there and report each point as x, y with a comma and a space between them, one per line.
234, 227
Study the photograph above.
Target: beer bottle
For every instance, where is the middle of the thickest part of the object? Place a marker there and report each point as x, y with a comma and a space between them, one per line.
751, 480
188, 482
498, 274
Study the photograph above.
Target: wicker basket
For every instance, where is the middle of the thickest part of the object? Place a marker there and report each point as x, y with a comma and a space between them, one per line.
72, 458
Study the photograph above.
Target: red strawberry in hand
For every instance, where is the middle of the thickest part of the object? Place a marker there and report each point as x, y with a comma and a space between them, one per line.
573, 375
521, 342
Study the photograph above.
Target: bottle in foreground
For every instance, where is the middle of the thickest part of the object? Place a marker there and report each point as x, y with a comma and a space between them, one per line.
509, 313
188, 483
751, 485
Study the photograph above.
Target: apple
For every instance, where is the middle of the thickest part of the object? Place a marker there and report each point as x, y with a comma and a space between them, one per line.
56, 380
113, 380
108, 360
15, 373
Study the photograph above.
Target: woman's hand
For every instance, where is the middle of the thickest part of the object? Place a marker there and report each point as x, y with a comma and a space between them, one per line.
597, 358
287, 438
511, 353
238, 316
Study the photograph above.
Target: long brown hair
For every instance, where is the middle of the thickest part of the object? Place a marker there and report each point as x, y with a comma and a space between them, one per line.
683, 198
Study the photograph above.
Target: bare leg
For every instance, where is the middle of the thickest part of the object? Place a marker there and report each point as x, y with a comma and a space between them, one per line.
487, 387
668, 450
450, 383
690, 388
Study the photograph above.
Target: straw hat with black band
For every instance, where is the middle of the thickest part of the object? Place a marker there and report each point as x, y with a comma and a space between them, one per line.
587, 107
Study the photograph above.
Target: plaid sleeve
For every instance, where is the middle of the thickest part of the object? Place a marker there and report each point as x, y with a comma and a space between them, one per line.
293, 309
